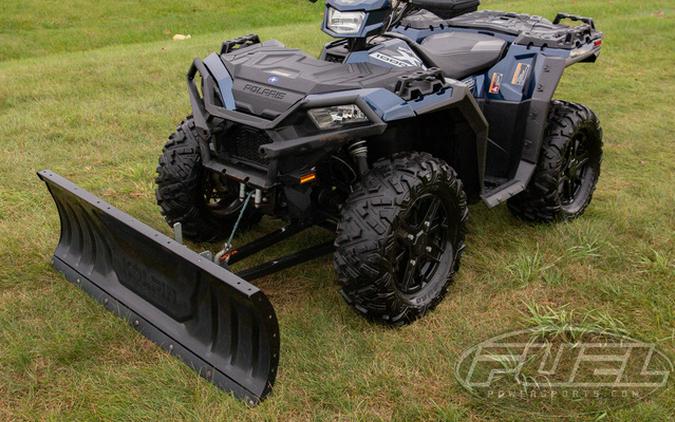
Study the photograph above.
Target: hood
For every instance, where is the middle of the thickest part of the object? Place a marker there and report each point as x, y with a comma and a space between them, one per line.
268, 78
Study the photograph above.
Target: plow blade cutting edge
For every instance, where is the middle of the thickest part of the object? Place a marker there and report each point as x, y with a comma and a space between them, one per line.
220, 325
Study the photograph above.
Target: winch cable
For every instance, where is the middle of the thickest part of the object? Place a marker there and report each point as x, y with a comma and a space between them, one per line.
223, 255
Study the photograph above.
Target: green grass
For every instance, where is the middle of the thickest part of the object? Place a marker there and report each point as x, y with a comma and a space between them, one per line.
35, 28
93, 94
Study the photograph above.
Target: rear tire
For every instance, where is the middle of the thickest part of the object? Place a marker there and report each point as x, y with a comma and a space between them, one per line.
568, 170
205, 203
401, 237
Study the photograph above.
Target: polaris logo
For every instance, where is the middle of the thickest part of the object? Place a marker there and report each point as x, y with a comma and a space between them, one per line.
265, 92
143, 282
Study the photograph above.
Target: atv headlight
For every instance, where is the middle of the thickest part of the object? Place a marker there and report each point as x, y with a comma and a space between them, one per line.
337, 116
345, 22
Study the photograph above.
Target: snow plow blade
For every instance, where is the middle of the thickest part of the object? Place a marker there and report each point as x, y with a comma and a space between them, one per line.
220, 325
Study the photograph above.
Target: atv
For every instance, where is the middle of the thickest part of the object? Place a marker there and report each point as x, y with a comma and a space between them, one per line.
416, 109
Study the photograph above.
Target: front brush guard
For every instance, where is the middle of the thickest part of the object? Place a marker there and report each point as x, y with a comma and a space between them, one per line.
222, 326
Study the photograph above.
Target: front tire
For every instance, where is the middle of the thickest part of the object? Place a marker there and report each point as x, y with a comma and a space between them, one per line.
401, 237
206, 204
568, 170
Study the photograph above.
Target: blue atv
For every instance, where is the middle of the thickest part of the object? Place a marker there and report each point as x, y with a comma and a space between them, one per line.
418, 108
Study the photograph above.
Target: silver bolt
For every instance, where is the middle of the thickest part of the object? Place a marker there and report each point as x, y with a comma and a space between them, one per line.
428, 248
427, 224
411, 237
413, 262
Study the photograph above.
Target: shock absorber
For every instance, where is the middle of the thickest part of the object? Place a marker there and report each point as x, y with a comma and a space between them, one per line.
359, 152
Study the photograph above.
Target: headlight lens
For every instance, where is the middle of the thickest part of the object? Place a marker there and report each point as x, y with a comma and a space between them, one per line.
345, 22
337, 116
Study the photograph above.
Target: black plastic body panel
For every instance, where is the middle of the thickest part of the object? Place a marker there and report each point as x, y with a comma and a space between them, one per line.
506, 135
220, 325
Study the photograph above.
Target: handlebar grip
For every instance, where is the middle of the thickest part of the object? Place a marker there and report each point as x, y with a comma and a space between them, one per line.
560, 16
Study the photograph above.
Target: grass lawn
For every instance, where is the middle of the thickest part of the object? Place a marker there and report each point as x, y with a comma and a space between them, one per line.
92, 92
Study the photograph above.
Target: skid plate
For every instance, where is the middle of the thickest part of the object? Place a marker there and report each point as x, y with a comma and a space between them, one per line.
220, 325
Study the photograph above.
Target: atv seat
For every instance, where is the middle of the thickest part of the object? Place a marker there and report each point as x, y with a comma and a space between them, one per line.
461, 54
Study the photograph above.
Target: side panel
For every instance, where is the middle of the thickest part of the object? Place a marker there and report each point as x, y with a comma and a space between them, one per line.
220, 325
517, 109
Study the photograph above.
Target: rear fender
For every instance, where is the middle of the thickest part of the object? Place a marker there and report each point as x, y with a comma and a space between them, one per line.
518, 114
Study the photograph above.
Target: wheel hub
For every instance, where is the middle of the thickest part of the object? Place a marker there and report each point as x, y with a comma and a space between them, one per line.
421, 240
576, 161
423, 235
573, 171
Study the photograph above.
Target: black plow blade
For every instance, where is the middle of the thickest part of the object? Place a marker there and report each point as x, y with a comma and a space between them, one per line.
219, 324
